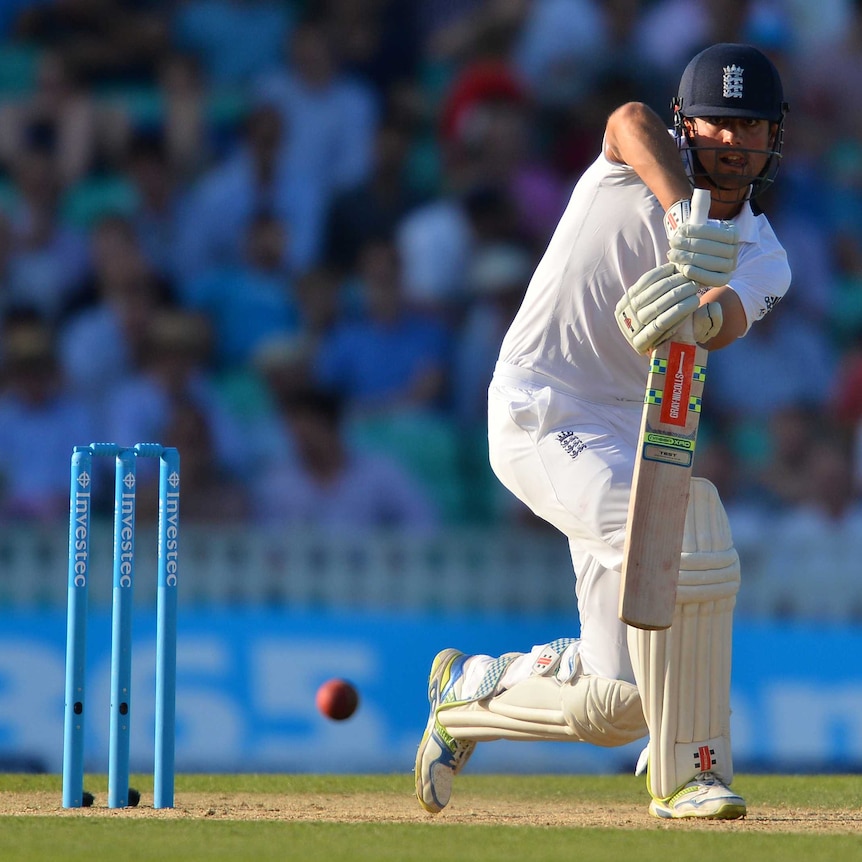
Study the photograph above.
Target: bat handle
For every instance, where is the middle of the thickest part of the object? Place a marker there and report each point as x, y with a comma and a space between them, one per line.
700, 203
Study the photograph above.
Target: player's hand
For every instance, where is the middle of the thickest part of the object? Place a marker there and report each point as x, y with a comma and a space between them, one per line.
707, 321
654, 305
705, 253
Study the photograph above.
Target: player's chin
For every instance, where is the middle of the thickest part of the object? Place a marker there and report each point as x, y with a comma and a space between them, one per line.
730, 173
732, 181
729, 187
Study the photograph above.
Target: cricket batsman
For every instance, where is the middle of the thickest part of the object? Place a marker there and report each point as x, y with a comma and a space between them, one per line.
624, 267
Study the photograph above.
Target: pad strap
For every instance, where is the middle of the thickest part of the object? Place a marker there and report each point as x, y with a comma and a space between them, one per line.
545, 664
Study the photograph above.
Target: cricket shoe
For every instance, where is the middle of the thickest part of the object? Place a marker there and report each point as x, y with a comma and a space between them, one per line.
705, 797
441, 757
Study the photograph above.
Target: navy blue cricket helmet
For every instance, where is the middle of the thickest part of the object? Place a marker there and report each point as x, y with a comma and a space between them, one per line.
732, 80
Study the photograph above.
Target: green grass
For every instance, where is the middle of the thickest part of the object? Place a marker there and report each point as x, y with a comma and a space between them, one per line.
132, 836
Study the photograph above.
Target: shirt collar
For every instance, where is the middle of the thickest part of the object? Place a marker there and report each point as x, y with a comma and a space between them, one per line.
746, 223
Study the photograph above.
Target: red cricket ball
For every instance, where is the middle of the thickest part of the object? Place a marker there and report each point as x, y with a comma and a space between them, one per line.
337, 699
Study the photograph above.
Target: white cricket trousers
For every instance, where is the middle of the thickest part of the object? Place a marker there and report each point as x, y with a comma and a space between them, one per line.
571, 462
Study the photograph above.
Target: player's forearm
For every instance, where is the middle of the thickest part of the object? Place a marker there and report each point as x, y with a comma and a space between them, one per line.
635, 135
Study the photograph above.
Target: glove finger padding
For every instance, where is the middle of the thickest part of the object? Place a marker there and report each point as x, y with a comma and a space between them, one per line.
658, 296
664, 325
706, 277
719, 237
652, 307
706, 253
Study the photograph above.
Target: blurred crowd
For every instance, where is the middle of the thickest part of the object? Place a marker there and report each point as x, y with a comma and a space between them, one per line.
286, 236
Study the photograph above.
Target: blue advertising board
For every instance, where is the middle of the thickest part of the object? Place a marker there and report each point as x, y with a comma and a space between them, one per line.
247, 680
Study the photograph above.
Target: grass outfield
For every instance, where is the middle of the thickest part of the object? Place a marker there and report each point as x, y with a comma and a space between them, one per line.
530, 818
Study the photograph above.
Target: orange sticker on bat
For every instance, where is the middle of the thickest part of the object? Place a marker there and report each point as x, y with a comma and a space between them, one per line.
677, 383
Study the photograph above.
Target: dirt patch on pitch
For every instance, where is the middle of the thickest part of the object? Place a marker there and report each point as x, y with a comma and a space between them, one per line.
384, 808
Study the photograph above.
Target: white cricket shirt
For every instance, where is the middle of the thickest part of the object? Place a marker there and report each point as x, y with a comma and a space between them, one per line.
565, 334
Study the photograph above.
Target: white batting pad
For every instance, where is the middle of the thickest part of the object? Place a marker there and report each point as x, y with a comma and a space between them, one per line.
683, 673
591, 709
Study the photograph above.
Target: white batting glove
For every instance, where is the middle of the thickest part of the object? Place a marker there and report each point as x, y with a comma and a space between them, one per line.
705, 253
707, 321
651, 309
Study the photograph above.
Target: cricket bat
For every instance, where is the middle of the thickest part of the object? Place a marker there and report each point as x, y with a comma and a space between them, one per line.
660, 484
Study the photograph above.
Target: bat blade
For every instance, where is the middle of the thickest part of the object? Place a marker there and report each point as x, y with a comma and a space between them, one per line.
662, 473
661, 481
